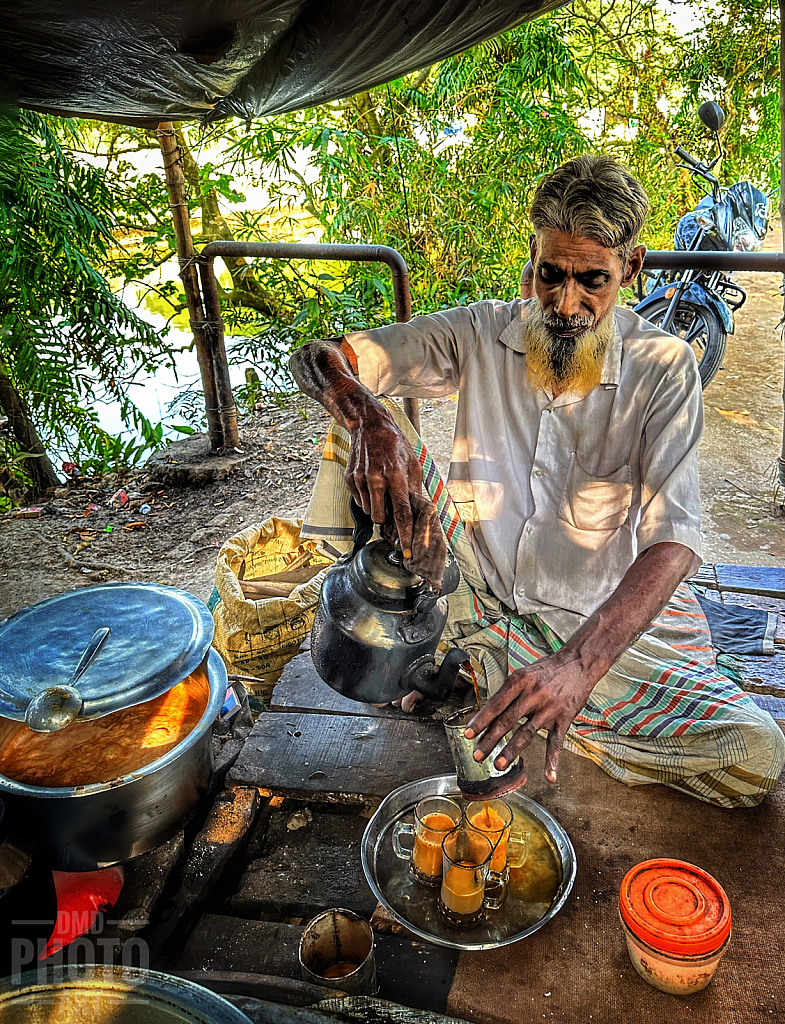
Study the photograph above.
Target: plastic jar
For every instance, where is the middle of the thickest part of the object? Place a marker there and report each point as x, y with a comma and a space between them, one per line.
677, 922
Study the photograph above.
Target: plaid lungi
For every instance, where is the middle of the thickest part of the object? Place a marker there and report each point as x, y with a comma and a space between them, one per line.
663, 713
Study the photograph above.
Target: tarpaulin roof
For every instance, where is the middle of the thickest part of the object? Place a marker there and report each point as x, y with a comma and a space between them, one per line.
145, 61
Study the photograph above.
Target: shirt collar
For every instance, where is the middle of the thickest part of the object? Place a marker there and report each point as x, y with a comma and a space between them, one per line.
514, 337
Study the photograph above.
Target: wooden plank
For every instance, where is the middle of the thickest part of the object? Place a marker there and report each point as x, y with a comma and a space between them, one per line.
223, 943
221, 837
288, 991
306, 870
301, 689
145, 881
767, 581
344, 759
764, 674
409, 972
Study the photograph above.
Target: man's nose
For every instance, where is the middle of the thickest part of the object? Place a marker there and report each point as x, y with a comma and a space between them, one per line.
568, 300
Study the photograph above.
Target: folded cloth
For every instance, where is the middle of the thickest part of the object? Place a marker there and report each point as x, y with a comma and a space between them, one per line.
735, 629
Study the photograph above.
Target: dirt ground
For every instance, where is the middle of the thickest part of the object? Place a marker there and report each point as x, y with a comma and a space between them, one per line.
84, 536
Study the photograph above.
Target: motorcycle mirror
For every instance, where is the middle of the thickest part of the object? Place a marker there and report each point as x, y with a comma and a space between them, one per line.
712, 115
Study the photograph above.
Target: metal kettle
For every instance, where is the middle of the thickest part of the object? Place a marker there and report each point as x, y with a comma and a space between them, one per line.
377, 625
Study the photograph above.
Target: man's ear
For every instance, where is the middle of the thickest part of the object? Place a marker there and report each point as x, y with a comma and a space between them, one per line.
634, 264
532, 247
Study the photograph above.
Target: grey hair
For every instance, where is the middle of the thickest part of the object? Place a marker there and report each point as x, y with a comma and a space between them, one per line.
593, 196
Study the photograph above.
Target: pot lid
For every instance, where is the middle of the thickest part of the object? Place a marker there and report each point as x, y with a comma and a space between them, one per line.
675, 907
157, 636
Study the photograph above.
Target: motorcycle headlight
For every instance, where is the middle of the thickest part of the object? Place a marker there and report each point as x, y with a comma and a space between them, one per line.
704, 220
744, 238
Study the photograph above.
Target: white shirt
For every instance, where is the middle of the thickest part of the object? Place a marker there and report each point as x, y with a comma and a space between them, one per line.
559, 494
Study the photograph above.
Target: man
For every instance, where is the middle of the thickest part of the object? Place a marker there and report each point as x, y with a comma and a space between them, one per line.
574, 476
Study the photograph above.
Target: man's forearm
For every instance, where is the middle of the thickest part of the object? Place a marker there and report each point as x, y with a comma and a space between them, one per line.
323, 372
643, 592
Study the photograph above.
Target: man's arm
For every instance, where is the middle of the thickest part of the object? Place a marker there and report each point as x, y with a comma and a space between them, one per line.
381, 461
551, 692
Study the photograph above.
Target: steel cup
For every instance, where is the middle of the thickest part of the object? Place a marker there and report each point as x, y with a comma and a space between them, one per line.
479, 779
336, 951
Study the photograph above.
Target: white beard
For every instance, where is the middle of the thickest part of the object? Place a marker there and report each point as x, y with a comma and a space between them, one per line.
565, 364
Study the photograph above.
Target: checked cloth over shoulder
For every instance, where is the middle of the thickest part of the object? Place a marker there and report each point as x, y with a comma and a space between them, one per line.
663, 713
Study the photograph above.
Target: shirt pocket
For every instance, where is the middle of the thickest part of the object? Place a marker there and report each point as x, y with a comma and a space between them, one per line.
591, 502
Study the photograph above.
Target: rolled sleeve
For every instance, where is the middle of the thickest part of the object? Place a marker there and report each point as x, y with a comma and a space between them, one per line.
424, 357
670, 492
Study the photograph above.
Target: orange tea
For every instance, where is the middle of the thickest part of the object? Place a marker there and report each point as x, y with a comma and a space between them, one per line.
489, 820
463, 891
340, 969
427, 855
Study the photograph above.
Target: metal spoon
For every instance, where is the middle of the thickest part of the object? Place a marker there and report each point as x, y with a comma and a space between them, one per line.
57, 706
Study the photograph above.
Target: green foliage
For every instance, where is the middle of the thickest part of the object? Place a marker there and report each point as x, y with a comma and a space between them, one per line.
65, 338
440, 164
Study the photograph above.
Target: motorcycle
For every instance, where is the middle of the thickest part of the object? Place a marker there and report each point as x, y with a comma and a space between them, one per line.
698, 306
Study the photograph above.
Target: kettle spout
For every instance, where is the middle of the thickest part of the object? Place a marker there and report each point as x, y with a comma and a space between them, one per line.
434, 683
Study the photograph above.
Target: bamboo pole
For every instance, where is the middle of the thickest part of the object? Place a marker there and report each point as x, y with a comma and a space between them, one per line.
226, 407
781, 463
175, 182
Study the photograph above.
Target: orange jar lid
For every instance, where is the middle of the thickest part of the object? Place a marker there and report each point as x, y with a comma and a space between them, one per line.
675, 907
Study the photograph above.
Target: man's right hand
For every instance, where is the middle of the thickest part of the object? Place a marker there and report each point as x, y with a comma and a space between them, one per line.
382, 462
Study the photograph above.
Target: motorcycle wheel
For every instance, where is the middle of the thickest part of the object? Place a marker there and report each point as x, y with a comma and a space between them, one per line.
700, 327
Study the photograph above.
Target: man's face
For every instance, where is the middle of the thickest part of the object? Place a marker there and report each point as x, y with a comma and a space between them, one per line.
577, 281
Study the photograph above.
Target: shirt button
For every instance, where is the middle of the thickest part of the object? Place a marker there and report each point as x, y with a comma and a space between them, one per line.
538, 472
521, 592
530, 529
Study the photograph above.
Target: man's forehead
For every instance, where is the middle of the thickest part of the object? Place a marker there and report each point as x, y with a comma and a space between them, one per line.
563, 250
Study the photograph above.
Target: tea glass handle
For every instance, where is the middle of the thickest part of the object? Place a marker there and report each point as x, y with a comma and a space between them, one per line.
403, 828
517, 849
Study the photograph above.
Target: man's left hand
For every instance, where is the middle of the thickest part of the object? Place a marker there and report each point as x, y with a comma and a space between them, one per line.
548, 694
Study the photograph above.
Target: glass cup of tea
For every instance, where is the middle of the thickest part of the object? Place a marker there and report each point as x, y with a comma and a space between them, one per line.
466, 855
494, 818
434, 817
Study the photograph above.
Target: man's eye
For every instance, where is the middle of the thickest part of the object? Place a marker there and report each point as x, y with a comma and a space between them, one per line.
593, 282
549, 275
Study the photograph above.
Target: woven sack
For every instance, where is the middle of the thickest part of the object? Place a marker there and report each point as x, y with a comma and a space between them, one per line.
258, 637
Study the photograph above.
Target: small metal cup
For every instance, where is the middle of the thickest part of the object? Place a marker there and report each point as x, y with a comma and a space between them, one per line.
479, 779
336, 951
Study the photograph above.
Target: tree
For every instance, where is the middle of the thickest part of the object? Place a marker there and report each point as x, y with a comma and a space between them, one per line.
65, 337
441, 164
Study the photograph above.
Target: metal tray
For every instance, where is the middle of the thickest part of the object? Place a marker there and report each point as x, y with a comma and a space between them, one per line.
415, 905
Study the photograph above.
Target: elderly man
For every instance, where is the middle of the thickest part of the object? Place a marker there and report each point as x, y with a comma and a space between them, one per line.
573, 506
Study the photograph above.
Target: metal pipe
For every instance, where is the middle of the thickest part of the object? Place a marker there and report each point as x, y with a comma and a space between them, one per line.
727, 262
328, 251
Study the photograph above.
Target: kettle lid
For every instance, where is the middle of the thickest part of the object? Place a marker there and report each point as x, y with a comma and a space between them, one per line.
380, 567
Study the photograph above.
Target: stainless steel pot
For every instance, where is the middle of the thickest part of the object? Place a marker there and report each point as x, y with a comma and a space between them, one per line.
122, 995
93, 826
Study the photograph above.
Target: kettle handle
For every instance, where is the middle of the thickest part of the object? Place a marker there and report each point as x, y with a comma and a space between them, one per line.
363, 526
